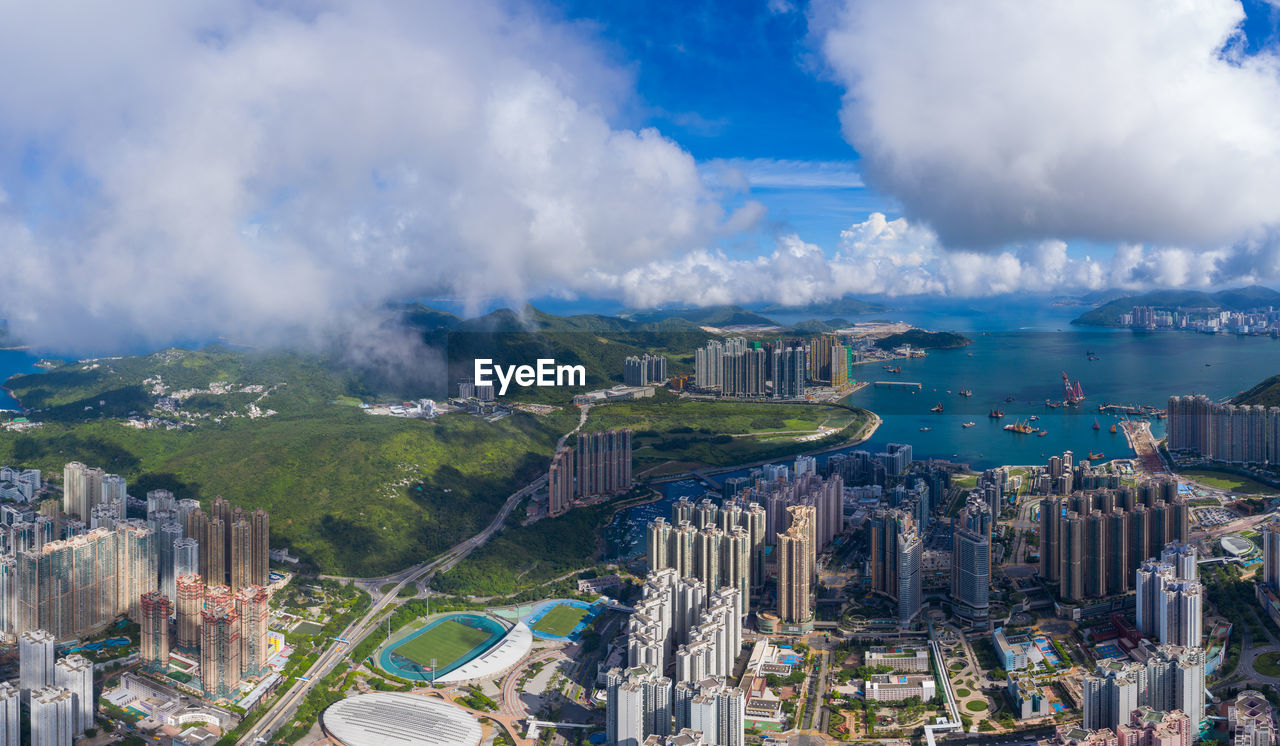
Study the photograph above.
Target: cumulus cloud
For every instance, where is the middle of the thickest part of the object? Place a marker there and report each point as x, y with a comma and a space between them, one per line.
1001, 121
880, 256
178, 171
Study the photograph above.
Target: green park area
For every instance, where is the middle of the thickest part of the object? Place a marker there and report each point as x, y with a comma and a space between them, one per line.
1268, 664
1228, 482
446, 642
308, 628
560, 620
720, 433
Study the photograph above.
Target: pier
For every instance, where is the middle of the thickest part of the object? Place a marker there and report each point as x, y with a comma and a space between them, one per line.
898, 385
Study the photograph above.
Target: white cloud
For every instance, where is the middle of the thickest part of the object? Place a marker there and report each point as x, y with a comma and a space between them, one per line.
880, 256
1002, 121
184, 170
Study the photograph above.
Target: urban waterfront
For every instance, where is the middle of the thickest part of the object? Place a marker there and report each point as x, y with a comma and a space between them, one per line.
1131, 368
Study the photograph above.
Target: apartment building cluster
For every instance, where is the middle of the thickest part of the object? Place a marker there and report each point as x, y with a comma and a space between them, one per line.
682, 640
971, 559
58, 693
1243, 435
644, 370
19, 485
738, 368
1092, 542
1170, 597
598, 464
1165, 678
192, 579
1261, 320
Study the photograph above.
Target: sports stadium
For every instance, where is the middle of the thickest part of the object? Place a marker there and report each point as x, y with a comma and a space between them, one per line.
455, 648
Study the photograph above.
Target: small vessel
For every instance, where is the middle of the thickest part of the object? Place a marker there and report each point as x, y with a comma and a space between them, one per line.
1095, 456
968, 424
937, 408
1010, 398
1112, 429
1033, 417
1020, 428
1093, 357
1096, 426
1051, 404
995, 414
925, 429
966, 392
1042, 433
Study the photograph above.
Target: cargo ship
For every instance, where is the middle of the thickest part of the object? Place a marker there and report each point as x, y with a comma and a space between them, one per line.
1021, 428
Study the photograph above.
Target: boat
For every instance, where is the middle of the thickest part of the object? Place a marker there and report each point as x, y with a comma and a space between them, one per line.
1010, 398
1093, 357
1096, 426
1020, 428
1095, 456
1042, 433
968, 424
995, 414
925, 429
1051, 404
1033, 417
1112, 429
966, 392
937, 408
893, 368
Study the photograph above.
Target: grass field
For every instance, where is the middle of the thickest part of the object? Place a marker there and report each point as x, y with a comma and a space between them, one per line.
1268, 664
1229, 482
446, 642
718, 433
308, 628
560, 620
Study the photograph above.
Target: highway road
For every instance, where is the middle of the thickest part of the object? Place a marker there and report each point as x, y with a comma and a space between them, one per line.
286, 707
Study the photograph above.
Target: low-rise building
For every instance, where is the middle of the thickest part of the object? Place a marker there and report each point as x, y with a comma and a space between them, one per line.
1029, 698
897, 687
899, 659
1251, 720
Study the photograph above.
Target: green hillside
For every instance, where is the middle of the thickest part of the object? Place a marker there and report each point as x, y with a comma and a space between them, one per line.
923, 340
1238, 299
710, 316
1266, 393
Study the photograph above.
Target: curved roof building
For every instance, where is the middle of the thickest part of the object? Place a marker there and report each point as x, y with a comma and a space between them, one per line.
399, 719
514, 646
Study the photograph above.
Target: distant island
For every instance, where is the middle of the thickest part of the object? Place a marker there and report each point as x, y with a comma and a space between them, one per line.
923, 340
1247, 310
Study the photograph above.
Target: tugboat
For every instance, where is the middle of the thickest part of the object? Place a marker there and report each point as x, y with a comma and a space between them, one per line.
937, 408
1096, 426
968, 425
995, 414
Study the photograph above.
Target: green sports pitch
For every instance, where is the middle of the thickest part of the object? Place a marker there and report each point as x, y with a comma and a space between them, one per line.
560, 620
446, 642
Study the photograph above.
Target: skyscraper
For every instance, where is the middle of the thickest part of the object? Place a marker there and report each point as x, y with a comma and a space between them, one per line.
75, 674
658, 542
186, 560
560, 482
251, 605
35, 660
166, 561
790, 369
971, 561
638, 705
154, 649
52, 717
603, 463
10, 714
220, 650
190, 604
796, 558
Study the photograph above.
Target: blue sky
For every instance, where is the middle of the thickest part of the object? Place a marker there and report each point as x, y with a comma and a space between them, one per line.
744, 81
257, 168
